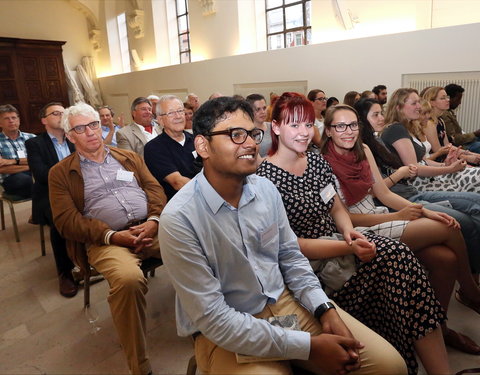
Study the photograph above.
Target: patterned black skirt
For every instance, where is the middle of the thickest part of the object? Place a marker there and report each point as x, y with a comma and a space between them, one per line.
392, 296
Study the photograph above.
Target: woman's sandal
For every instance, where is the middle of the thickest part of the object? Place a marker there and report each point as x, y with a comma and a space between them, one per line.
461, 342
465, 301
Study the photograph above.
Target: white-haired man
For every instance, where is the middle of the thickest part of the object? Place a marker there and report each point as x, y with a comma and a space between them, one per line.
107, 200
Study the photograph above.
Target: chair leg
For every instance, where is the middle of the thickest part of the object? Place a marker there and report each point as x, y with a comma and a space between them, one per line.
14, 221
192, 366
86, 289
42, 240
2, 214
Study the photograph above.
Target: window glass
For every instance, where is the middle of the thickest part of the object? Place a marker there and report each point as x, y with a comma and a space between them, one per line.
275, 21
288, 24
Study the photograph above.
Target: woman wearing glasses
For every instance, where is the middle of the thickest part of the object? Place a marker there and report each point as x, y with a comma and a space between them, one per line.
388, 290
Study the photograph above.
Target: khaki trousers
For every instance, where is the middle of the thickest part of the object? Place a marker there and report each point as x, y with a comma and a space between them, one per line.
377, 357
127, 302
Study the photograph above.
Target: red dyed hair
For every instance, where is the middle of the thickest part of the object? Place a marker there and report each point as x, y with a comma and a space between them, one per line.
288, 108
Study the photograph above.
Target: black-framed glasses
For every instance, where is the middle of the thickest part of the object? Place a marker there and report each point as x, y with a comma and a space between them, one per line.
324, 99
55, 113
341, 126
79, 129
172, 114
239, 135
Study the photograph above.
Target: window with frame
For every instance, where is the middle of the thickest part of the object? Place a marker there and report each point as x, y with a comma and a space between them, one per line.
288, 23
183, 28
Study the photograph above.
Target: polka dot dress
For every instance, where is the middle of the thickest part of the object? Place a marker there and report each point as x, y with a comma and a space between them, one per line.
390, 294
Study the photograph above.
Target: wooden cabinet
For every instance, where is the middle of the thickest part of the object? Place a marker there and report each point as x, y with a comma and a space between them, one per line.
31, 75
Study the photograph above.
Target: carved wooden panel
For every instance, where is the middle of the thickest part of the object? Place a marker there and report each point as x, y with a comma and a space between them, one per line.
34, 90
8, 91
6, 67
51, 67
54, 90
30, 68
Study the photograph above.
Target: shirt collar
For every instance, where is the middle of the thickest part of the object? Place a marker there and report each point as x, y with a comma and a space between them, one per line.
83, 159
54, 139
215, 201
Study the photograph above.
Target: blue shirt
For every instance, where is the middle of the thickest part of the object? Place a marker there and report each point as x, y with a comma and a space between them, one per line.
9, 148
226, 264
61, 149
106, 130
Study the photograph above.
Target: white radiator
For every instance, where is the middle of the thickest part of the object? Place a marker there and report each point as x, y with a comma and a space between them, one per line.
468, 114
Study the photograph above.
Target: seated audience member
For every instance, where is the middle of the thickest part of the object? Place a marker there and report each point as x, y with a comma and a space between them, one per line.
133, 137
470, 141
367, 94
15, 176
332, 101
215, 95
434, 128
319, 101
380, 92
109, 129
273, 98
227, 219
188, 117
400, 137
44, 151
316, 213
193, 100
358, 179
465, 206
154, 101
170, 157
107, 200
259, 106
351, 98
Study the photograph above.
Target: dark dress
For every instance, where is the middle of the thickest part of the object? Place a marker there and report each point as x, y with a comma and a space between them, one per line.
390, 294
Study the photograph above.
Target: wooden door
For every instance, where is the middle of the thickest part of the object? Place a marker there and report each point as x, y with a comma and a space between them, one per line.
31, 75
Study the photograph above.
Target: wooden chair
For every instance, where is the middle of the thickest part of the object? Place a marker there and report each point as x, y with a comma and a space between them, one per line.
11, 200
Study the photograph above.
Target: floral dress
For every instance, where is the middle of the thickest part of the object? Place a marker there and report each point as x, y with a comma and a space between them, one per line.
391, 293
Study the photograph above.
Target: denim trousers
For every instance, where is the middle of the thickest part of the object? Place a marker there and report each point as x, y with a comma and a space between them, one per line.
465, 208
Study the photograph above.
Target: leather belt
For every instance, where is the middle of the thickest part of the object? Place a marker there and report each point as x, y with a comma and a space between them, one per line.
133, 223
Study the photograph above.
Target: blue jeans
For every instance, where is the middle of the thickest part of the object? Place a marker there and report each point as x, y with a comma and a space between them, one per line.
466, 210
473, 146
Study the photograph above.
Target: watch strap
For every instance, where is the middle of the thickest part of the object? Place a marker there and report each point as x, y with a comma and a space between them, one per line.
322, 309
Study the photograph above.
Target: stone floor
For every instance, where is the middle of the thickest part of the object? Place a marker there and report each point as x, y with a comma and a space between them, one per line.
42, 332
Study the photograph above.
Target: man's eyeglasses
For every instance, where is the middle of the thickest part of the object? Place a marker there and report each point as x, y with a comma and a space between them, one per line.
239, 135
324, 99
341, 126
55, 113
172, 114
79, 129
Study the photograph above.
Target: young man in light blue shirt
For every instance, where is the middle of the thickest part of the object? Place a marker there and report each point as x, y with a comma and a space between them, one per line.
234, 261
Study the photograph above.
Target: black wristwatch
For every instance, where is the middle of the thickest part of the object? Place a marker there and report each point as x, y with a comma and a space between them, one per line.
322, 309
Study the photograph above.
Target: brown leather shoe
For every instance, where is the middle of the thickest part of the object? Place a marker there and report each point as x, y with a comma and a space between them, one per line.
460, 342
68, 288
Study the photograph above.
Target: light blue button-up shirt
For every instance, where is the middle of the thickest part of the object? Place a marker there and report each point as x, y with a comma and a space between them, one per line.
61, 149
226, 264
106, 130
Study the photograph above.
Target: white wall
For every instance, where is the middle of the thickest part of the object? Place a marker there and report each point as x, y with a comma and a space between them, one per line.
335, 67
47, 20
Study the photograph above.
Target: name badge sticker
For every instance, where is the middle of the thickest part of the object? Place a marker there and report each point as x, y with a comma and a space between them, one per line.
21, 154
194, 153
328, 193
124, 175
